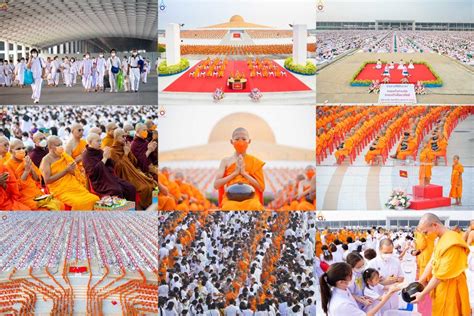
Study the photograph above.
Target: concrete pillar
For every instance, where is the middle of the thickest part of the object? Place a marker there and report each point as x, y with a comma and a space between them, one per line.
61, 49
300, 43
413, 26
23, 50
7, 50
55, 49
173, 44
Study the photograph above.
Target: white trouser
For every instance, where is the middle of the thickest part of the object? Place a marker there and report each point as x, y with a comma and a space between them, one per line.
55, 77
144, 76
87, 81
100, 78
8, 80
67, 78
36, 87
113, 81
134, 78
73, 78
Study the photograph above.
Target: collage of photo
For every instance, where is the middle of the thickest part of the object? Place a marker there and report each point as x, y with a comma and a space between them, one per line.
237, 158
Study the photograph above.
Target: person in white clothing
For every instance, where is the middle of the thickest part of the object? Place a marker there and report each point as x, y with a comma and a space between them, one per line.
20, 72
231, 309
337, 300
86, 72
73, 71
55, 70
389, 268
7, 72
100, 64
37, 65
126, 77
134, 62
66, 68
113, 67
373, 289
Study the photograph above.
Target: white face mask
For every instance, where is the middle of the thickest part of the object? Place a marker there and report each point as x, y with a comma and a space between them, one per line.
43, 143
386, 256
101, 55
87, 56
361, 269
34, 54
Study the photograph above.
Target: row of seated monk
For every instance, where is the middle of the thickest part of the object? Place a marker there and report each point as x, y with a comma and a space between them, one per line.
78, 175
240, 182
273, 49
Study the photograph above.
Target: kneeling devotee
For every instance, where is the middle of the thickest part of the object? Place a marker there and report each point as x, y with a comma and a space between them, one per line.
126, 167
241, 168
100, 171
448, 286
29, 177
9, 191
59, 173
456, 180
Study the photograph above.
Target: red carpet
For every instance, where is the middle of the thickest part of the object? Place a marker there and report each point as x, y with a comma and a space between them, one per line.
429, 196
185, 83
421, 72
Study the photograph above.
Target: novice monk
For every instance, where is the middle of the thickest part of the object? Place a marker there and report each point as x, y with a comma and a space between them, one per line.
100, 171
456, 180
60, 175
28, 176
9, 190
126, 167
304, 188
241, 168
448, 286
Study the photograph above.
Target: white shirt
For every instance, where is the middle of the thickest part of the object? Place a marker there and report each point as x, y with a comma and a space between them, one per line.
343, 303
231, 310
37, 66
391, 267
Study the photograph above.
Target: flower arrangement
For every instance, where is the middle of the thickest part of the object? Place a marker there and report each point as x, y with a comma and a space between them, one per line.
255, 95
429, 83
165, 70
398, 200
309, 69
218, 95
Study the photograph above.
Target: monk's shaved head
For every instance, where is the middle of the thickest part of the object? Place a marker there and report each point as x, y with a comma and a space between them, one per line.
118, 134
92, 137
140, 127
386, 242
240, 131
38, 136
166, 170
95, 130
128, 127
179, 175
110, 127
15, 144
76, 126
429, 218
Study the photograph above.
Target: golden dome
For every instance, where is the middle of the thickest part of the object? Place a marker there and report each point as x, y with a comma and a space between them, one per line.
258, 129
236, 19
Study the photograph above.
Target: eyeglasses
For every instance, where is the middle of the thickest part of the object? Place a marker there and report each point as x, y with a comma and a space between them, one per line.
21, 148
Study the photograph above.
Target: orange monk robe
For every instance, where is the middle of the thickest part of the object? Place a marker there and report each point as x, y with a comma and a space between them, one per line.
451, 296
108, 141
403, 154
253, 166
69, 189
425, 244
10, 195
174, 190
379, 147
345, 150
426, 159
29, 188
5, 158
165, 203
456, 181
186, 189
74, 154
305, 205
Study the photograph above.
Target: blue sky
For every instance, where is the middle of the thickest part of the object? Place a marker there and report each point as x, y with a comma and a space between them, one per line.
275, 13
418, 10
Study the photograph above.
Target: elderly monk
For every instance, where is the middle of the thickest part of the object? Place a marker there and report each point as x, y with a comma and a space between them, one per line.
129, 131
241, 168
100, 171
40, 150
10, 195
28, 177
448, 286
75, 147
126, 167
151, 127
61, 176
304, 189
456, 180
109, 137
142, 149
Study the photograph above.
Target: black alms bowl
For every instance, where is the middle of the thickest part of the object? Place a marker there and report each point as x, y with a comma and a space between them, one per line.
240, 192
410, 290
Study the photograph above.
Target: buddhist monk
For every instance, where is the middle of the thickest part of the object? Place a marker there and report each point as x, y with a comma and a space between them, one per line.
109, 137
469, 234
426, 164
304, 189
241, 168
100, 171
188, 193
406, 147
173, 189
40, 150
75, 147
126, 167
9, 189
28, 177
166, 201
142, 149
456, 180
60, 175
129, 131
150, 127
448, 286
